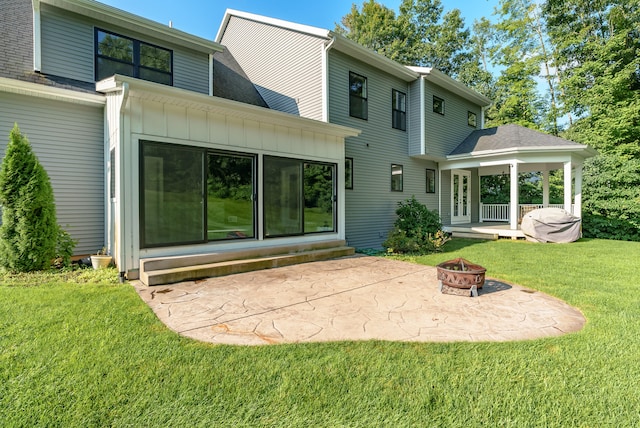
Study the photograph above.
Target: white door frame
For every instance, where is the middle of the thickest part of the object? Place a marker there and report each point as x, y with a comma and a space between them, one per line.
461, 211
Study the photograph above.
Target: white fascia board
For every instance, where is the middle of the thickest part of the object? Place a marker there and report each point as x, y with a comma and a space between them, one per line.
373, 58
579, 148
155, 91
114, 16
443, 80
20, 87
300, 28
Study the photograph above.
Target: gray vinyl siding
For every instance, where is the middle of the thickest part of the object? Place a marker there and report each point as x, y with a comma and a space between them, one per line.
68, 51
370, 205
68, 140
67, 46
445, 213
191, 71
445, 132
285, 66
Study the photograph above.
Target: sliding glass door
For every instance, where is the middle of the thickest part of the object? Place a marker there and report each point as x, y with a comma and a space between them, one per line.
299, 196
194, 195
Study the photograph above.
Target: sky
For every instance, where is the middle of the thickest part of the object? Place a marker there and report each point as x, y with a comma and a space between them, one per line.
203, 17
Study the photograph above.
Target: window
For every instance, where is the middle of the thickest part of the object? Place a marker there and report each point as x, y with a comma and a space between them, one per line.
299, 197
438, 105
348, 173
117, 54
472, 119
358, 96
431, 181
399, 114
396, 178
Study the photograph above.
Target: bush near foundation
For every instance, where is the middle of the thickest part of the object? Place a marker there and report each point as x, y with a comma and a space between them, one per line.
416, 229
29, 232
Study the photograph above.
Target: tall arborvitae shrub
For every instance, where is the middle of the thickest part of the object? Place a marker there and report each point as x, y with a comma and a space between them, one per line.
29, 231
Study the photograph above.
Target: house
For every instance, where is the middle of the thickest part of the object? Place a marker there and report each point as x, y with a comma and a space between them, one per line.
155, 142
422, 131
170, 149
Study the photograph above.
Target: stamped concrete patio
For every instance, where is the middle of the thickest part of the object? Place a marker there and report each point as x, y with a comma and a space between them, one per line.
353, 298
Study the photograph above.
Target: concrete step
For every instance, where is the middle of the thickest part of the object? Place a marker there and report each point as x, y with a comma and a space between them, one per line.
475, 235
219, 264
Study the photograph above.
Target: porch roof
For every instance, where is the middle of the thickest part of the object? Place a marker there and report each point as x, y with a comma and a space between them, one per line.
511, 139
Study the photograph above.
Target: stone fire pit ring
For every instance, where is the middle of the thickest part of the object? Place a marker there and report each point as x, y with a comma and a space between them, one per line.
460, 276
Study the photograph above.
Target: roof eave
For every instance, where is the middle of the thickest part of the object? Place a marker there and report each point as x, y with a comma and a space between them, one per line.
368, 56
584, 150
447, 82
300, 28
115, 16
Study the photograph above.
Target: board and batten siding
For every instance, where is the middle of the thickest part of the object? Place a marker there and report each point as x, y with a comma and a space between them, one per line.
170, 121
370, 205
68, 140
68, 51
445, 132
284, 65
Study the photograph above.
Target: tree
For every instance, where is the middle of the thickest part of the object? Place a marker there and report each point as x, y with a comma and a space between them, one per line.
598, 54
29, 231
376, 27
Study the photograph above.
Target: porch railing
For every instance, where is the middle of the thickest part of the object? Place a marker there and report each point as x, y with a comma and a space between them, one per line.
500, 212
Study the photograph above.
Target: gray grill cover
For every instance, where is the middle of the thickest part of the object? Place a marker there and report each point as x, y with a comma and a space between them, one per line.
551, 225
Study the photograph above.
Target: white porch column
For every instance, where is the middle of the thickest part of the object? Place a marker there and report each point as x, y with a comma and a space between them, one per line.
567, 187
514, 200
577, 210
545, 188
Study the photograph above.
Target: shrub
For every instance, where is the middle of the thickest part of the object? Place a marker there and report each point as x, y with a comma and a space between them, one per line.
416, 229
29, 232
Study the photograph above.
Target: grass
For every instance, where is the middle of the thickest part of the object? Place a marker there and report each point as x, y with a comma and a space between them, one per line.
92, 354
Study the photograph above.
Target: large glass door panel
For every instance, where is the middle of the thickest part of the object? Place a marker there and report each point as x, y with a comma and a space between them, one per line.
230, 196
319, 197
283, 202
172, 204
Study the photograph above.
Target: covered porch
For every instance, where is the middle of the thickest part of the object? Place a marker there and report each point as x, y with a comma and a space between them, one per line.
507, 150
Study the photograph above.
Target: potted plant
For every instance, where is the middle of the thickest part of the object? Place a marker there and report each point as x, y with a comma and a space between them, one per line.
101, 259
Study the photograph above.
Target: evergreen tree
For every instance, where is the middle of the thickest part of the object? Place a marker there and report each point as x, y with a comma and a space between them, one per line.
29, 231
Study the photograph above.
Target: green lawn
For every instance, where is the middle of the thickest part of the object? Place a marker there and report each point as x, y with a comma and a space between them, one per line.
94, 355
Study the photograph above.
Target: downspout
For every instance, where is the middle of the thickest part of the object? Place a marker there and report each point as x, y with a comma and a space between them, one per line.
121, 211
37, 46
211, 74
482, 117
325, 79
423, 111
440, 191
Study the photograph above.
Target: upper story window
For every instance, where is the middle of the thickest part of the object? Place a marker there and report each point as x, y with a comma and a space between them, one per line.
399, 108
472, 119
117, 54
358, 96
438, 105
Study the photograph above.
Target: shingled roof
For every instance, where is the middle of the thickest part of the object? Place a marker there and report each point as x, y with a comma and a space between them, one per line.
508, 137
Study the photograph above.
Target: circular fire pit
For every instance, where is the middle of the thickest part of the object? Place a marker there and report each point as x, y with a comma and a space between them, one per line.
460, 274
